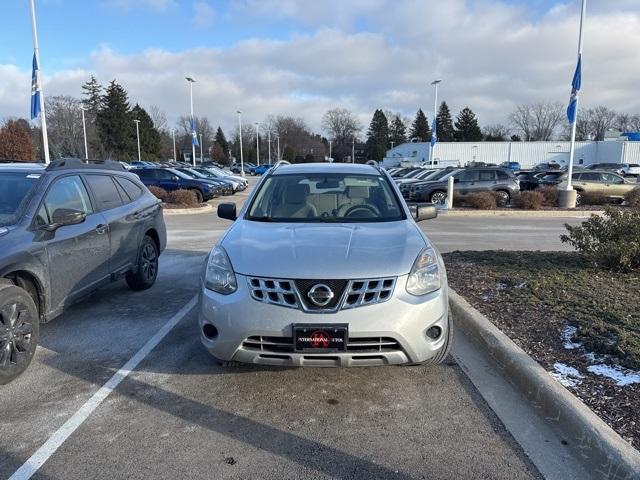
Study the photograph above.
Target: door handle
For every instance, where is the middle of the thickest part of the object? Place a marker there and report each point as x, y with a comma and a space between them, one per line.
101, 229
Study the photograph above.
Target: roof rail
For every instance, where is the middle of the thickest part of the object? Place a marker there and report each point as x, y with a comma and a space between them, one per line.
76, 163
280, 162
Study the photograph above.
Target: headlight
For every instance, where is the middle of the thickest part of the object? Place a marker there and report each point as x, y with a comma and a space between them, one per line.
424, 276
219, 275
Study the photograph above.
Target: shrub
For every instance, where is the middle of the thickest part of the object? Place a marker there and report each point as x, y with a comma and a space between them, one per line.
550, 195
632, 198
185, 198
458, 200
529, 200
482, 200
160, 193
611, 241
593, 198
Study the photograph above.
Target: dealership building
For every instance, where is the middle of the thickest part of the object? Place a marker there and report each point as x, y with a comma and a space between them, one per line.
528, 154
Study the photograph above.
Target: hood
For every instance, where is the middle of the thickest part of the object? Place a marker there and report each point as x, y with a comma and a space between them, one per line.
323, 251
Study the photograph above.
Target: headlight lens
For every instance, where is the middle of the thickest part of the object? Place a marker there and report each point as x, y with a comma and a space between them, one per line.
219, 275
425, 275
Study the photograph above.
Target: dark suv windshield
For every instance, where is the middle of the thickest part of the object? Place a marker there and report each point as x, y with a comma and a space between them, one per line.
326, 198
15, 189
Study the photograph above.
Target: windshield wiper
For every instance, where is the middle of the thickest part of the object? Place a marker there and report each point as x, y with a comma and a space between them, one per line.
264, 218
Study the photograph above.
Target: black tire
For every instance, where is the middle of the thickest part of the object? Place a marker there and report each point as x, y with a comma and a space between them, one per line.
444, 351
438, 197
199, 196
145, 275
578, 197
504, 197
19, 331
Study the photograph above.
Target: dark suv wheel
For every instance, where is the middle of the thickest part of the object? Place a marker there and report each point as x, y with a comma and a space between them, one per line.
503, 198
147, 271
19, 331
438, 197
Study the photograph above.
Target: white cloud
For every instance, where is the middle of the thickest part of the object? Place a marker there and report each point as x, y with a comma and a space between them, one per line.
491, 56
203, 15
159, 5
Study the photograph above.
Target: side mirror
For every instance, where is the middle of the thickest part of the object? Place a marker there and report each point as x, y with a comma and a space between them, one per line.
175, 178
456, 180
425, 212
227, 210
65, 216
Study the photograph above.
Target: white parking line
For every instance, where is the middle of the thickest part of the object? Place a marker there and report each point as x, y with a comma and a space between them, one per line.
33, 464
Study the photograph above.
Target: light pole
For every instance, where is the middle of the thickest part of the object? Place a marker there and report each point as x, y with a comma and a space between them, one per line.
38, 83
568, 197
258, 143
173, 134
269, 144
240, 135
137, 122
434, 133
278, 140
194, 138
329, 150
84, 131
353, 150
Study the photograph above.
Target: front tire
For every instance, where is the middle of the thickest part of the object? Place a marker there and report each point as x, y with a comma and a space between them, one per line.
19, 331
147, 271
503, 197
199, 196
438, 197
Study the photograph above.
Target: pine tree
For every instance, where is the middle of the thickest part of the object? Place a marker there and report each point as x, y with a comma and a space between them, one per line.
444, 124
467, 128
221, 140
150, 142
115, 124
420, 127
398, 131
377, 136
92, 92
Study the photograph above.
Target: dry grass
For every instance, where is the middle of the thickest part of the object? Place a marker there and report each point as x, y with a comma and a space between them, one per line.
185, 198
160, 193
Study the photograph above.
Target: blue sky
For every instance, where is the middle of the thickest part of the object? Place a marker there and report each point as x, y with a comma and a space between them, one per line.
302, 57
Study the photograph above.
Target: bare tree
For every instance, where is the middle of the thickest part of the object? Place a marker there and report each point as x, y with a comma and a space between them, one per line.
341, 125
158, 117
622, 122
64, 122
538, 121
522, 120
600, 120
203, 127
634, 123
496, 133
296, 137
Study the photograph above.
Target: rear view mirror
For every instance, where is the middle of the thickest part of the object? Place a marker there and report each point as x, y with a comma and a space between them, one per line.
227, 211
425, 212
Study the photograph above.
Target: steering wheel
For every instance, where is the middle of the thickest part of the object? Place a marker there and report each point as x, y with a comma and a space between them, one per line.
373, 211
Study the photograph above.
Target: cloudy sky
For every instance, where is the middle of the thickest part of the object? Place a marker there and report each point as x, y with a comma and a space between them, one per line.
302, 57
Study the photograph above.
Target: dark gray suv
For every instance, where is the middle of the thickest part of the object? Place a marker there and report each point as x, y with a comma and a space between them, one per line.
66, 230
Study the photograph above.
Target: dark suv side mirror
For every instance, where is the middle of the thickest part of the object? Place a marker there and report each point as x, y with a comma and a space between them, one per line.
425, 212
227, 210
65, 216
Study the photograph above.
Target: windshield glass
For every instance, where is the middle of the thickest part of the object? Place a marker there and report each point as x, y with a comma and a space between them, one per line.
15, 189
328, 197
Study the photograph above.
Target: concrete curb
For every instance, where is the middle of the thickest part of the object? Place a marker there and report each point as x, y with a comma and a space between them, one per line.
596, 444
520, 213
188, 211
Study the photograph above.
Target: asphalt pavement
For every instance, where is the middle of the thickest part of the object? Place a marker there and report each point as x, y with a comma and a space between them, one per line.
178, 414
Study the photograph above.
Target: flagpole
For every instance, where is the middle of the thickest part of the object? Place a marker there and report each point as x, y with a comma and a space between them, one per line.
84, 132
435, 123
572, 148
36, 51
193, 122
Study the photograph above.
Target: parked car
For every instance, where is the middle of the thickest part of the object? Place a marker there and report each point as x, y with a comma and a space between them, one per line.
515, 166
610, 184
170, 179
547, 166
260, 169
243, 183
226, 186
537, 179
65, 230
235, 168
416, 176
291, 306
619, 168
466, 181
235, 185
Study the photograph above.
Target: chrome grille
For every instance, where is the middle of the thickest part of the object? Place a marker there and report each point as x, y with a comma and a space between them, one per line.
354, 344
274, 291
367, 292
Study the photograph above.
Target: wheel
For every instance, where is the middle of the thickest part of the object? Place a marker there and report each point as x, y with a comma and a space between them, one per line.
578, 197
438, 197
199, 196
19, 331
145, 275
503, 197
444, 351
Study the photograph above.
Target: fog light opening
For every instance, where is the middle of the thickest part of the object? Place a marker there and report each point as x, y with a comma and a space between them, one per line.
209, 331
434, 332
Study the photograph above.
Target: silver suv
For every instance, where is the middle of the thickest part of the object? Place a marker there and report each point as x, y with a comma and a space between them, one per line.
325, 266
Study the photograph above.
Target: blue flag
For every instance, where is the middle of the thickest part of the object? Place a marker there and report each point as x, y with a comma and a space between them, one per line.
35, 89
194, 134
434, 139
572, 109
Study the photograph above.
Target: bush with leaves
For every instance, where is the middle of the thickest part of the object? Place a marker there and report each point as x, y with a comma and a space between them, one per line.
482, 200
184, 198
529, 200
611, 241
160, 193
632, 198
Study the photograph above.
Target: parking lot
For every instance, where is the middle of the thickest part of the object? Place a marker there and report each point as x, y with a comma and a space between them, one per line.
179, 414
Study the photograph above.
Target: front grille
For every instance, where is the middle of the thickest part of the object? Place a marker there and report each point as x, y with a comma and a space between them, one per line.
354, 344
346, 293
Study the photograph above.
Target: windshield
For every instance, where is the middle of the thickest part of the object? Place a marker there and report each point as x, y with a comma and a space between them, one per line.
328, 197
15, 189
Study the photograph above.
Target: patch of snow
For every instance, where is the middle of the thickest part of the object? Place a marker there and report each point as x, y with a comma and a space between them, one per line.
521, 285
622, 376
568, 332
566, 375
501, 286
594, 357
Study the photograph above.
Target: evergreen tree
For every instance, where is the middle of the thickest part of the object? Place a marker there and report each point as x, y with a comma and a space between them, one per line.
92, 91
150, 142
377, 136
221, 140
467, 128
444, 124
420, 127
398, 131
115, 124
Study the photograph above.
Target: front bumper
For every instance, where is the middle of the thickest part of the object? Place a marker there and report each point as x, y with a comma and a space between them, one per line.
394, 332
